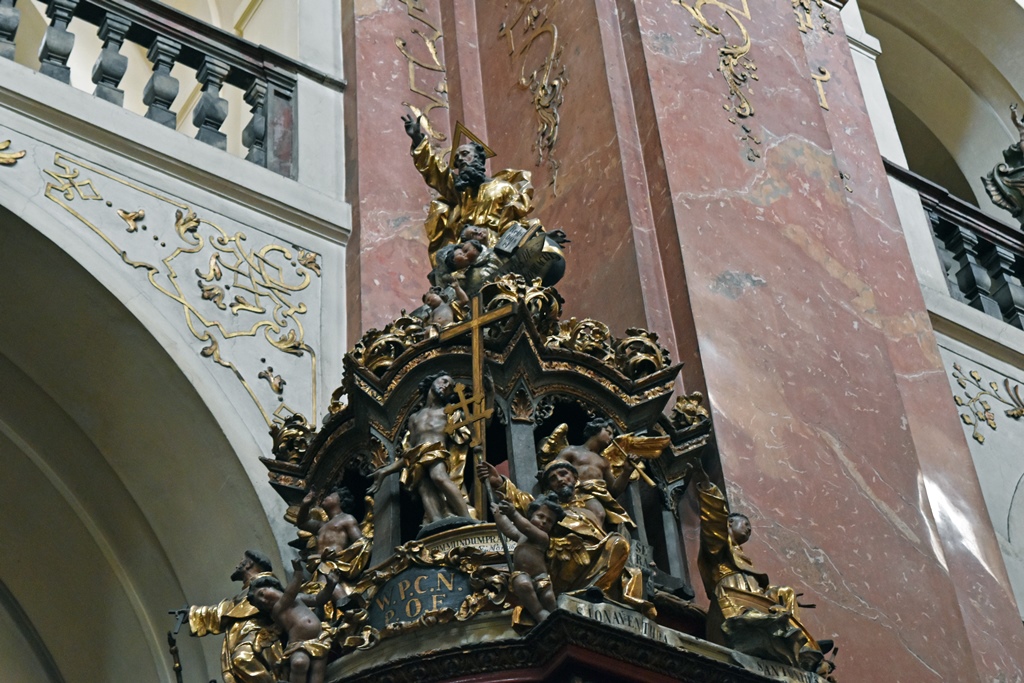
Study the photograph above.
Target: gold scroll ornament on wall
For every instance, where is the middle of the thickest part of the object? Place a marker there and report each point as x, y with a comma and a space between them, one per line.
228, 292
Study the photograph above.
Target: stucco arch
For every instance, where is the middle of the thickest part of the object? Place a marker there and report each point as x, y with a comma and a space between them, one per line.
122, 492
951, 71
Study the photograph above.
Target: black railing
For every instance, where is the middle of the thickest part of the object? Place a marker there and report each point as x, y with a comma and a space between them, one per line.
267, 78
983, 257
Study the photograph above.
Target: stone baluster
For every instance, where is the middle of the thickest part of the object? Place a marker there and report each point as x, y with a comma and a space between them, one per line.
280, 107
162, 88
1005, 268
254, 136
212, 109
110, 66
10, 17
57, 41
972, 277
949, 264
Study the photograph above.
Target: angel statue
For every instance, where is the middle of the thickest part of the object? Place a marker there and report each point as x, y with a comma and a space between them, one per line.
1005, 183
335, 541
601, 458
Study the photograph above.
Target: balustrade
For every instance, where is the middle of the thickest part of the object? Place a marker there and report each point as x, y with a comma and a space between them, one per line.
982, 256
218, 58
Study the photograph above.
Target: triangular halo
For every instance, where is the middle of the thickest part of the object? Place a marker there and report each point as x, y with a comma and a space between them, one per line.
461, 130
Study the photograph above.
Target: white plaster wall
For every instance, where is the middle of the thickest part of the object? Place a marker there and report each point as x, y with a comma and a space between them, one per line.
999, 459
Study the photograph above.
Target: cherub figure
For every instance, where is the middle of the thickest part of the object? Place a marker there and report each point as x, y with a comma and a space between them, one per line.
342, 545
471, 262
445, 305
309, 640
530, 581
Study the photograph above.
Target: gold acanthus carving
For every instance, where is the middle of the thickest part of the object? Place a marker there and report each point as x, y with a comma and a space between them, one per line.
689, 411
521, 407
734, 62
132, 218
9, 158
546, 82
636, 355
975, 402
263, 281
437, 98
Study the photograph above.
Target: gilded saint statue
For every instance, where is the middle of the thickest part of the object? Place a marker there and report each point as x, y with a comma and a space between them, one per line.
252, 649
747, 612
433, 463
495, 208
466, 194
1005, 183
582, 554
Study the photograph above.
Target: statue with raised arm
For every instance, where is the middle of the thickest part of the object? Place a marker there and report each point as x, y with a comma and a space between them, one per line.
531, 533
433, 463
747, 612
309, 639
339, 544
601, 458
466, 194
251, 649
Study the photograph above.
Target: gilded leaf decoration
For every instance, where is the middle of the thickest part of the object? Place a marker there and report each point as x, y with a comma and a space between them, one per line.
976, 401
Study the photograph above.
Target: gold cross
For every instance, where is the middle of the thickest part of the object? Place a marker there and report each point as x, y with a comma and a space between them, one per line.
474, 409
477, 417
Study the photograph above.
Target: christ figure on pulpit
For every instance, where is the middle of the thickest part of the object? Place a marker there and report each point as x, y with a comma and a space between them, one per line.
433, 462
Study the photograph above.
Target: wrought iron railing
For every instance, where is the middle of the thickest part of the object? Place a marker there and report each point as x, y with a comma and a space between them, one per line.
267, 78
983, 257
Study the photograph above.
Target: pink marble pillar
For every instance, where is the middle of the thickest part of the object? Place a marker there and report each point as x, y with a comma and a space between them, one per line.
835, 432
387, 256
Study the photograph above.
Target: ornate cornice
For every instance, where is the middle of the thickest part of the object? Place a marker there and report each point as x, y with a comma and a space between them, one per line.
564, 644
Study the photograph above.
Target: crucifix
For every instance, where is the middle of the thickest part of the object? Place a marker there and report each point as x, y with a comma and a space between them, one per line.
475, 408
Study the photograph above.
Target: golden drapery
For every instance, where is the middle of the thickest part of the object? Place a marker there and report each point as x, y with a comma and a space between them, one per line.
505, 198
251, 649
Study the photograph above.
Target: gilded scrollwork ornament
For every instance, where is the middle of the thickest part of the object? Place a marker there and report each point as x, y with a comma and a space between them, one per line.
378, 349
276, 382
639, 354
977, 409
131, 218
544, 304
437, 96
587, 336
807, 11
546, 82
636, 355
291, 438
734, 61
9, 158
258, 284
